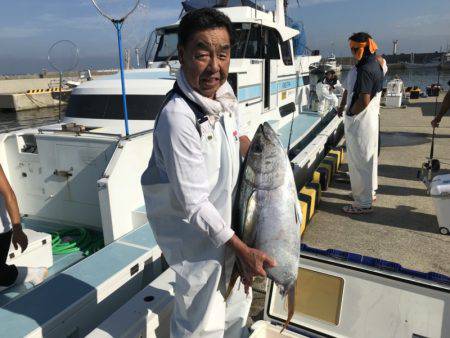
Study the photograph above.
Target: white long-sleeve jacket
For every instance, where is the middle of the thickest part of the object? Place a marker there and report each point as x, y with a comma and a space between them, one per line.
191, 178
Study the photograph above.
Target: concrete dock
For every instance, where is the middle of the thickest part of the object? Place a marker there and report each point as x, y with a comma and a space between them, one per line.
23, 92
18, 94
403, 227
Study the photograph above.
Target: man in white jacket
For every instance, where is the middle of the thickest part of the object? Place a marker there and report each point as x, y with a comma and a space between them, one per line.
326, 90
191, 180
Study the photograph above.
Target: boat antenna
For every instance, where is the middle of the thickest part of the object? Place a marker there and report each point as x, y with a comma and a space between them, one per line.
117, 12
63, 57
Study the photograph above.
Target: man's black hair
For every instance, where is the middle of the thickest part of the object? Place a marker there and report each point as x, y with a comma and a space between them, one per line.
202, 19
360, 37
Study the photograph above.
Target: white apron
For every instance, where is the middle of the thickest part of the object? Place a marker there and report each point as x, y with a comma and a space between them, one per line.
361, 133
202, 269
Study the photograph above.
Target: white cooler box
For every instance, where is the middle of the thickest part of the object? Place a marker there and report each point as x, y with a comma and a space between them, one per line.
333, 300
37, 254
393, 101
440, 193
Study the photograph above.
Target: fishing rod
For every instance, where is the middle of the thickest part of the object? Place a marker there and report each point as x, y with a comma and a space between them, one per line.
290, 133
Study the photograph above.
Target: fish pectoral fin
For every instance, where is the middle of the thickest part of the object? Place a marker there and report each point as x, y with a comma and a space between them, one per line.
298, 213
249, 221
291, 306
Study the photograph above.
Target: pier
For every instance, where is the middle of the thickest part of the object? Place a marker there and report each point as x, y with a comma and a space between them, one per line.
35, 91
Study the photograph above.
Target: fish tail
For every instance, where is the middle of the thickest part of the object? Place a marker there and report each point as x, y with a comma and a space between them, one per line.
233, 279
291, 304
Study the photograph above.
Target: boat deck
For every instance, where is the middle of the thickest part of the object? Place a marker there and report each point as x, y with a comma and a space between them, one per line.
60, 262
403, 227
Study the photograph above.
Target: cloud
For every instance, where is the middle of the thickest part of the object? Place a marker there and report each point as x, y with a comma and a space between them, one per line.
162, 14
315, 2
422, 21
20, 32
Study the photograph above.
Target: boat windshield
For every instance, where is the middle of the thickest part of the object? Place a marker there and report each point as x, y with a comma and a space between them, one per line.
167, 46
139, 107
247, 43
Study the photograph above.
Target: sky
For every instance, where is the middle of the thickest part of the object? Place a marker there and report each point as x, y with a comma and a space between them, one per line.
28, 28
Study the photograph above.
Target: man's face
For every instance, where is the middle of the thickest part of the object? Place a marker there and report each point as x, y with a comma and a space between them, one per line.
206, 59
354, 50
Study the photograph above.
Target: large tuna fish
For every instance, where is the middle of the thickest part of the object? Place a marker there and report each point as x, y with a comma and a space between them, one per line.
269, 215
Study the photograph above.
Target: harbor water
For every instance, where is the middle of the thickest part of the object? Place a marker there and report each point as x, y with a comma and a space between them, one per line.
31, 118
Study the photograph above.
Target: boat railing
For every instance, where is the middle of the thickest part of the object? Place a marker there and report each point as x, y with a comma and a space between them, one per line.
140, 133
119, 137
44, 130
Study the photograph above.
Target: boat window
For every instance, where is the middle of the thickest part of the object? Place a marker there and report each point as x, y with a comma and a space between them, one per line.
238, 48
286, 52
272, 51
254, 45
140, 107
167, 46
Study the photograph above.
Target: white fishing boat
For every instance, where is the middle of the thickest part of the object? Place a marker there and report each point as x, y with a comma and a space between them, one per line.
325, 65
85, 173
330, 63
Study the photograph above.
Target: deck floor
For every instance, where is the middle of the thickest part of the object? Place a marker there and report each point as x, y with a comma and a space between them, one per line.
60, 263
403, 227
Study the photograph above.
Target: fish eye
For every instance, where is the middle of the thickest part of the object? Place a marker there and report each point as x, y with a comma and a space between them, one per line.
257, 148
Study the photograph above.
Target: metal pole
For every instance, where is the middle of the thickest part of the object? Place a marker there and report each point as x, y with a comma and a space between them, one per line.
137, 57
435, 112
118, 25
59, 103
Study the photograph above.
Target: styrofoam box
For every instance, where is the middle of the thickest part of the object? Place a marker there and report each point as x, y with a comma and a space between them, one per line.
440, 193
263, 329
37, 254
394, 101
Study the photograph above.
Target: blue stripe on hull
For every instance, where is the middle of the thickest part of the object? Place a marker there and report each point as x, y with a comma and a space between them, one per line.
249, 92
254, 91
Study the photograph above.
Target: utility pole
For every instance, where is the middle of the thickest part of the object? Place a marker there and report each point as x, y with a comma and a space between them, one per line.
136, 50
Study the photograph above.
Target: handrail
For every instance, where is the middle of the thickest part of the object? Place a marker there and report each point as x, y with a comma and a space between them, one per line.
137, 134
